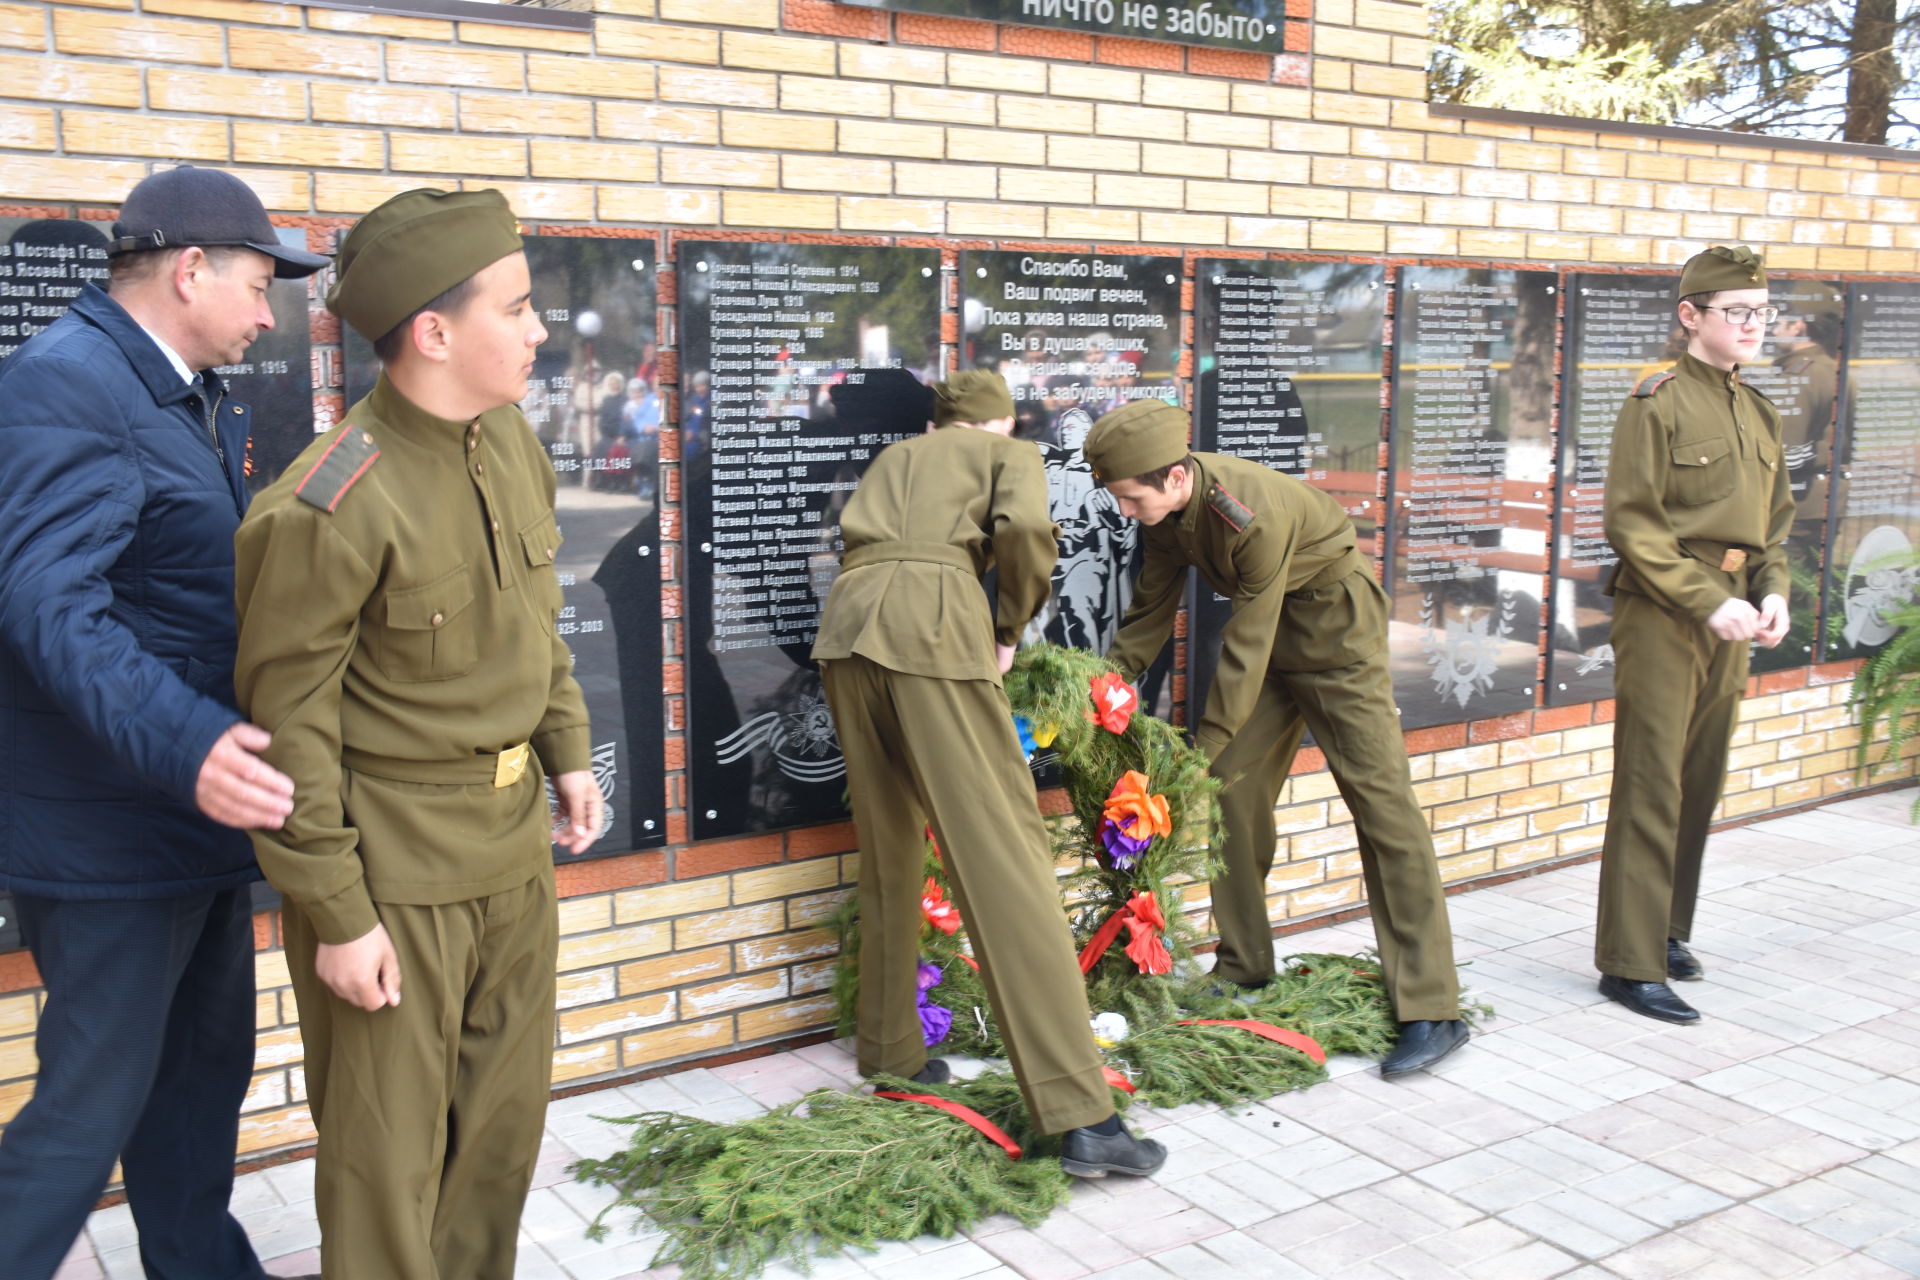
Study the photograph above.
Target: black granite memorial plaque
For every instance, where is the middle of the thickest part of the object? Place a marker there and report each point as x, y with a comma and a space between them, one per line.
1620, 329
811, 359
1287, 373
595, 402
1871, 565
1799, 370
1076, 335
1471, 472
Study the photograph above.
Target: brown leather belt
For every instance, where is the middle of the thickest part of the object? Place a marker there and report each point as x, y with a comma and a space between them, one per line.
1728, 559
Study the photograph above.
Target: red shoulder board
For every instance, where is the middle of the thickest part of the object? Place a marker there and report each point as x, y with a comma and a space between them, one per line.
1652, 383
339, 467
1229, 508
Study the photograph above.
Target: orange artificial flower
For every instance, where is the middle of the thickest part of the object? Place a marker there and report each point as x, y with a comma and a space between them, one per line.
1147, 924
1135, 812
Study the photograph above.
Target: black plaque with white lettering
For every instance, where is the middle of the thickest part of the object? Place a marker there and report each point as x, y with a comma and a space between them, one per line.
814, 357
1620, 329
1075, 335
1253, 26
1472, 468
1287, 373
1871, 567
1799, 370
595, 402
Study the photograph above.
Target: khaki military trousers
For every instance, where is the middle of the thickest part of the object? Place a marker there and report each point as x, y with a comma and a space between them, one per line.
1350, 710
923, 751
430, 1113
1676, 689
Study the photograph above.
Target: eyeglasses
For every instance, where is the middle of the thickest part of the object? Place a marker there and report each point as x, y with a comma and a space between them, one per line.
1741, 315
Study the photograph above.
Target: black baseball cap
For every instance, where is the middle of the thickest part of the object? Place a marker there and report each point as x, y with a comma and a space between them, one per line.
188, 206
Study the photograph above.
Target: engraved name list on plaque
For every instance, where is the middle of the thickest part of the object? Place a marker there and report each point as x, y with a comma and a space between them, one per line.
807, 359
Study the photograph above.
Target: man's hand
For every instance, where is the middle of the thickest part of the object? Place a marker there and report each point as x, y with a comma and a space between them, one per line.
1734, 620
1003, 657
365, 972
1772, 626
580, 810
236, 787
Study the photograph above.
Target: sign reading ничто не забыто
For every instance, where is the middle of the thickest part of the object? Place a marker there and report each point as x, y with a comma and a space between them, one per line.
1251, 26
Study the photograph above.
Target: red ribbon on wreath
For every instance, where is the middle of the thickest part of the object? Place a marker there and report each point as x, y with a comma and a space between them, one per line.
1279, 1035
1141, 914
962, 1113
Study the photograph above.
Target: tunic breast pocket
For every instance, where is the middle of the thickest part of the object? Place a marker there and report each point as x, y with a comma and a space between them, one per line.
428, 632
1702, 471
541, 541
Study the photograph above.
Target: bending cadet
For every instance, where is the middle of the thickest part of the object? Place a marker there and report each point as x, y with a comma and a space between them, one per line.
397, 637
1306, 649
1698, 508
911, 656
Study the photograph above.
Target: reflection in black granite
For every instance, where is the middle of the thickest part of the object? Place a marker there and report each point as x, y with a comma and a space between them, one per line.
1620, 329
812, 358
1799, 370
1076, 335
594, 399
1287, 365
1472, 464
1876, 469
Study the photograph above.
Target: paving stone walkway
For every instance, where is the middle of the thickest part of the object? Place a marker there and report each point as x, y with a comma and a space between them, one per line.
1780, 1137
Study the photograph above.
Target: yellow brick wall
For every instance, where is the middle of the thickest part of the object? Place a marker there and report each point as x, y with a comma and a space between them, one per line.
803, 116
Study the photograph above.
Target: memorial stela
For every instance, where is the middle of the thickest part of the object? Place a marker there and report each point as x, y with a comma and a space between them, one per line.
1287, 374
1472, 464
807, 359
1799, 370
1620, 329
1871, 571
1075, 336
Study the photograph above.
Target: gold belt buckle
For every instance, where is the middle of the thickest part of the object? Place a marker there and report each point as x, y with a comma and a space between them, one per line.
1734, 560
510, 765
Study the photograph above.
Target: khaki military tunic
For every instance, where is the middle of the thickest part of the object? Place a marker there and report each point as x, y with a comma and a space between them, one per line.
906, 646
397, 604
1306, 648
1698, 508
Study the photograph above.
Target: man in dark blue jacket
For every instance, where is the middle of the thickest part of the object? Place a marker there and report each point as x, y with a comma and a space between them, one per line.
126, 775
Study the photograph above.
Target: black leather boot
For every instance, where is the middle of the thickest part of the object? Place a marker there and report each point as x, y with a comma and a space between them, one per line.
1681, 964
935, 1072
1085, 1153
1649, 999
1422, 1044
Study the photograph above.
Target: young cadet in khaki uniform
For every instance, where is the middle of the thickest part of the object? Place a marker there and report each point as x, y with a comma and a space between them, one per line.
397, 605
1306, 649
1698, 508
912, 654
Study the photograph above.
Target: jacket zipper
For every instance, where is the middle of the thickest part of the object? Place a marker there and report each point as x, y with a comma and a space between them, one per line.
213, 433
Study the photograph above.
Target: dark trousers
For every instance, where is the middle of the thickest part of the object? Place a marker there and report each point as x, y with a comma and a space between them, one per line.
146, 1047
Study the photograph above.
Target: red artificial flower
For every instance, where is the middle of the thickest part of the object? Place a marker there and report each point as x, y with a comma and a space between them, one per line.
935, 844
1114, 702
936, 909
1147, 924
1135, 812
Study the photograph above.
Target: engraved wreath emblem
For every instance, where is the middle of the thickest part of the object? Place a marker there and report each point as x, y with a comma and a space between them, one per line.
1465, 654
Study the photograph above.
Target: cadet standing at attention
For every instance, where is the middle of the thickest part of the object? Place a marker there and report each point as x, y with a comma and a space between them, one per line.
397, 604
1698, 508
1306, 649
912, 654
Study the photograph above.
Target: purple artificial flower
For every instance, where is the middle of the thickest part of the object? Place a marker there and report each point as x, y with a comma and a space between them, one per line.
930, 977
1123, 850
935, 1023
